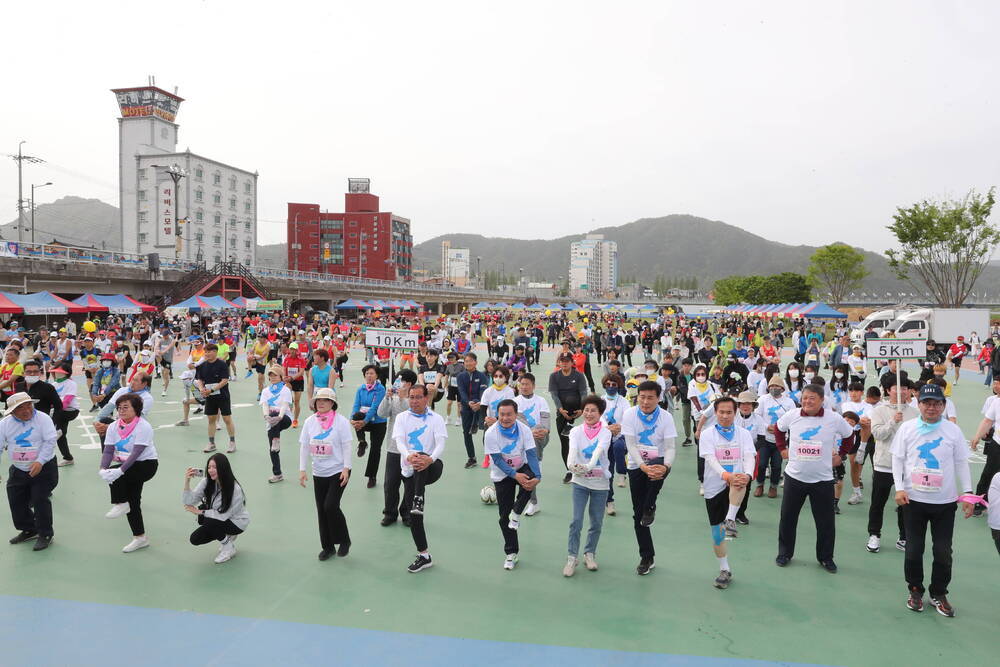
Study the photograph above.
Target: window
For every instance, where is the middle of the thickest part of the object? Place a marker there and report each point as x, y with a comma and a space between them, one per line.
199, 217
246, 244
218, 258
314, 246
353, 260
142, 195
217, 199
217, 220
232, 222
232, 241
217, 239
199, 195
216, 178
246, 225
247, 206
199, 173
142, 174
353, 235
248, 187
142, 216
232, 182
354, 247
199, 236
246, 260
354, 223
354, 271
232, 203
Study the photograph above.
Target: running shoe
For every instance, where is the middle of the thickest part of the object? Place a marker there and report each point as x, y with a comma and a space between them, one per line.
421, 563
943, 606
722, 581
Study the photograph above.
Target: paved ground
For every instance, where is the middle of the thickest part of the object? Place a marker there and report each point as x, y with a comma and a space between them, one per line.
276, 601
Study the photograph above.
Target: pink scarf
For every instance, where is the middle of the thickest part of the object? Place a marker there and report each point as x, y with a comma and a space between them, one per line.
326, 419
592, 431
125, 430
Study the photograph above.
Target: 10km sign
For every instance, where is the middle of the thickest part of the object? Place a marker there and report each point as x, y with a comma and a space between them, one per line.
394, 339
896, 348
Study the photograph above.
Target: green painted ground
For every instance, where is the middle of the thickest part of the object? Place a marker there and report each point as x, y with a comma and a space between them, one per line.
856, 617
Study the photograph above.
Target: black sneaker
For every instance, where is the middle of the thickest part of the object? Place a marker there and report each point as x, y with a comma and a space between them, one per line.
645, 565
42, 542
362, 447
94, 408
418, 506
471, 463
344, 549
686, 443
567, 478
421, 563
829, 566
23, 536
978, 511
405, 521
943, 607
782, 561
198, 410
915, 601
326, 554
743, 520
836, 506
387, 521
647, 518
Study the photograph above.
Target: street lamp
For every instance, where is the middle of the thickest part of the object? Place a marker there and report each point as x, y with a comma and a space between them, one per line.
479, 274
33, 187
176, 174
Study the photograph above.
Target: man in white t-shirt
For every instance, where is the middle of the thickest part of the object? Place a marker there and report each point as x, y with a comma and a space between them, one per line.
928, 454
990, 412
807, 437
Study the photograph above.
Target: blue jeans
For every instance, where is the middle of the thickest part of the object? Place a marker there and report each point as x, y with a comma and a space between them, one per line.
598, 499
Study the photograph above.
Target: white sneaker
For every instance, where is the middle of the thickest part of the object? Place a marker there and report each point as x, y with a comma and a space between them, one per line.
874, 544
514, 524
610, 509
590, 562
621, 479
226, 551
855, 498
136, 544
209, 448
231, 448
532, 509
570, 566
274, 479
510, 561
121, 509
163, 393
701, 489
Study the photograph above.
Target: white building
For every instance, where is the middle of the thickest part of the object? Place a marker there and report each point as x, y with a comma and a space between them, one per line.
455, 264
215, 203
593, 266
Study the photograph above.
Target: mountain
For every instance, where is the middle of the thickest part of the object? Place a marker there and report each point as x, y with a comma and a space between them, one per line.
673, 246
274, 256
73, 221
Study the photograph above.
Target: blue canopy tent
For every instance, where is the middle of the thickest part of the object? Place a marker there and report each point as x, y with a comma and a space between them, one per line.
352, 304
518, 306
197, 304
482, 305
572, 306
821, 311
536, 306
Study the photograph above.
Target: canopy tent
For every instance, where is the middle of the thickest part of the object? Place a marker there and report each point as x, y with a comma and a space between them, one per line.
119, 304
820, 311
352, 304
199, 303
39, 303
482, 305
518, 306
536, 306
572, 306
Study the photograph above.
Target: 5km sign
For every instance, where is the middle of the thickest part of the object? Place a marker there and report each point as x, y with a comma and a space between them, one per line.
896, 348
395, 339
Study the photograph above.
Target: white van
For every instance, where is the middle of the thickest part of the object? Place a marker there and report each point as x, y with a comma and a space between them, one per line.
878, 321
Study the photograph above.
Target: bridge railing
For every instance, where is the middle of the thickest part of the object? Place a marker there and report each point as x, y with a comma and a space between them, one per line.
62, 253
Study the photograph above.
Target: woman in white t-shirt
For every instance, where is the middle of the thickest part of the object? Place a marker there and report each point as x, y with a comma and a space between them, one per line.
128, 444
326, 438
66, 388
588, 462
276, 404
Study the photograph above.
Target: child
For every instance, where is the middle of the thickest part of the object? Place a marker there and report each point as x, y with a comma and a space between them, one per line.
839, 472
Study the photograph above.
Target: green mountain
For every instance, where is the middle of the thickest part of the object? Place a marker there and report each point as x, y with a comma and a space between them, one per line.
73, 221
674, 246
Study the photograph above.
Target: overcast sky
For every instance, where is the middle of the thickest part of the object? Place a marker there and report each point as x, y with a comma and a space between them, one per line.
801, 122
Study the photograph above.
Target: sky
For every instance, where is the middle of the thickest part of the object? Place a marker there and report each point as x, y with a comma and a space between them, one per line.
800, 122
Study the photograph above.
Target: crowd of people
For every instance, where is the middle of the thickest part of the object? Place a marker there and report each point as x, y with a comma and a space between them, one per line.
769, 405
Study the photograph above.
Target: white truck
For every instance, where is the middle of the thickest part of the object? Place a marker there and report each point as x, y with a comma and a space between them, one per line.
878, 321
942, 325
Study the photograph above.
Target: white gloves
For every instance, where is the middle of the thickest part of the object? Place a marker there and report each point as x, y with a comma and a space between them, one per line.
109, 475
578, 469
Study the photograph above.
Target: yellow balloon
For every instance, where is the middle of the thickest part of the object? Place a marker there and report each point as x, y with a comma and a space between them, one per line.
548, 312
586, 319
582, 313
89, 327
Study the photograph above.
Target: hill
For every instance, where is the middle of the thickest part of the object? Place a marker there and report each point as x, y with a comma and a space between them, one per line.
73, 221
673, 246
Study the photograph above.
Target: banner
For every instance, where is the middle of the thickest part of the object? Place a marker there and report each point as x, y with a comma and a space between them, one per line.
8, 249
273, 304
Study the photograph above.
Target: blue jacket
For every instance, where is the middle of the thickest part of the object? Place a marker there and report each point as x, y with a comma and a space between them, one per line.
471, 386
370, 400
113, 385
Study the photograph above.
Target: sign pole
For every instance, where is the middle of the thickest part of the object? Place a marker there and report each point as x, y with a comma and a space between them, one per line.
899, 387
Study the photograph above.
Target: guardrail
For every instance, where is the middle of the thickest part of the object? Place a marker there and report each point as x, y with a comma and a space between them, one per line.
61, 253
354, 281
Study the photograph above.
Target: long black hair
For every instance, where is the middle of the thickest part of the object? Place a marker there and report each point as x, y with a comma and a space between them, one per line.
227, 481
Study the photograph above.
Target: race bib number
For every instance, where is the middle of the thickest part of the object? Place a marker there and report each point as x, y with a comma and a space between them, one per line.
727, 456
430, 377
121, 456
648, 453
926, 480
24, 454
293, 372
320, 449
514, 462
808, 451
595, 473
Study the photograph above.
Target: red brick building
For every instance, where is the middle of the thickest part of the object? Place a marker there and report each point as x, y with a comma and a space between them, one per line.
362, 241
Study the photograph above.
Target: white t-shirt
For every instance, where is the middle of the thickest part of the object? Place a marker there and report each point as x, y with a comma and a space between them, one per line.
614, 410
329, 448
925, 464
592, 453
275, 400
991, 410
857, 365
492, 396
145, 395
513, 452
141, 435
67, 388
771, 410
705, 396
418, 433
994, 509
530, 410
737, 456
811, 443
754, 425
648, 440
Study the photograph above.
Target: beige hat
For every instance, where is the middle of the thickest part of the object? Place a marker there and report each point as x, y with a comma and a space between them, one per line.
775, 382
277, 370
325, 392
17, 399
748, 396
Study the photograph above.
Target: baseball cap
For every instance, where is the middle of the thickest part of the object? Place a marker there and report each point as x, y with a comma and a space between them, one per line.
931, 392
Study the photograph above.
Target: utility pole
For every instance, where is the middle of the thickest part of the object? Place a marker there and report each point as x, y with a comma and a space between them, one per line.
20, 158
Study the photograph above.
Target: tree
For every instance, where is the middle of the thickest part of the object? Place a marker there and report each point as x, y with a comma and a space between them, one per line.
945, 245
780, 288
837, 268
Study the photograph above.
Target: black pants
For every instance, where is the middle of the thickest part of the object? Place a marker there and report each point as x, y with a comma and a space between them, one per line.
586, 374
471, 420
511, 497
820, 495
563, 424
30, 506
768, 456
128, 489
881, 491
627, 357
393, 478
414, 486
916, 516
644, 492
332, 522
996, 539
213, 530
272, 433
992, 467
62, 421
601, 354
377, 433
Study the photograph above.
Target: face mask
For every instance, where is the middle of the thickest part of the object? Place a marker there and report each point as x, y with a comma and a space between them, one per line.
775, 391
838, 375
699, 378
32, 379
499, 381
734, 375
793, 372
809, 376
612, 391
106, 364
